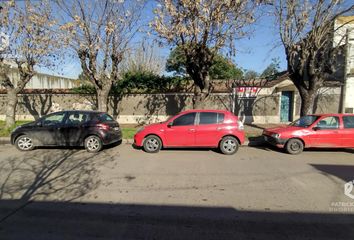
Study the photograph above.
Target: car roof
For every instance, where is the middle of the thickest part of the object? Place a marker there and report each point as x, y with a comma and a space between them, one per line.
79, 111
206, 110
332, 114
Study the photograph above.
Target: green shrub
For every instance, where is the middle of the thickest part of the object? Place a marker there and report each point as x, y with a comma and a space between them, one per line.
140, 82
5, 132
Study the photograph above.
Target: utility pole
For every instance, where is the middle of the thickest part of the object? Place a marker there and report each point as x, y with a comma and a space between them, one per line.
348, 83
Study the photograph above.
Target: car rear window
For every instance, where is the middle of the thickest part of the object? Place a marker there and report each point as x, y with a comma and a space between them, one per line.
210, 118
221, 117
104, 117
348, 121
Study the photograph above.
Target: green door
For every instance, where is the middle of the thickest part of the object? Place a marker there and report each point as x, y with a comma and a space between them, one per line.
286, 106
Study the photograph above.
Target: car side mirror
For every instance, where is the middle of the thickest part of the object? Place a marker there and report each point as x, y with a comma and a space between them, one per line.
39, 124
316, 128
170, 124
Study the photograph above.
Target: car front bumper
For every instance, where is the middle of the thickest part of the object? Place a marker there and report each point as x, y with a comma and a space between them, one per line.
138, 140
279, 142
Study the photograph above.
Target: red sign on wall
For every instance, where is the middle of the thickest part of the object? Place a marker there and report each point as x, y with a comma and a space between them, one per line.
247, 91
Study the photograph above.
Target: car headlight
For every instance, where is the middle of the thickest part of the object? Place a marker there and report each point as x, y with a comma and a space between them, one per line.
276, 135
140, 129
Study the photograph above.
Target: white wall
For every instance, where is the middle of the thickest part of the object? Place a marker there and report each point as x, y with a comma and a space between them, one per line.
349, 75
42, 81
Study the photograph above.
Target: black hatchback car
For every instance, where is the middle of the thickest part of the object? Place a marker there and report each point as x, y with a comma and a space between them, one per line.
90, 129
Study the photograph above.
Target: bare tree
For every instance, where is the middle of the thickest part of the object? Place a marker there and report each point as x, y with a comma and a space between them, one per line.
202, 28
306, 30
145, 57
31, 44
99, 31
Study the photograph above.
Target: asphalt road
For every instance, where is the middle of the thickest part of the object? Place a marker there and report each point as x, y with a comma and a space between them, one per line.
124, 193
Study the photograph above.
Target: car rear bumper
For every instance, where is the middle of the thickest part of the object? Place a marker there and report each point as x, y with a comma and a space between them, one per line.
241, 137
111, 137
12, 139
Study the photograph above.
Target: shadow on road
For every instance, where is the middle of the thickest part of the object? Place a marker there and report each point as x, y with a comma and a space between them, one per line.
55, 174
178, 149
109, 146
54, 220
259, 143
344, 172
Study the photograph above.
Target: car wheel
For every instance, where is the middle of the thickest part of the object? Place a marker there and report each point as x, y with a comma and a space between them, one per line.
152, 144
229, 145
93, 144
24, 143
294, 146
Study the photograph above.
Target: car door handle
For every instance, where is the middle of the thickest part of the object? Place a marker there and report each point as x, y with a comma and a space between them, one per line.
192, 130
218, 128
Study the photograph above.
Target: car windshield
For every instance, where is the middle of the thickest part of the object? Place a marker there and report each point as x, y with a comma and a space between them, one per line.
304, 121
170, 117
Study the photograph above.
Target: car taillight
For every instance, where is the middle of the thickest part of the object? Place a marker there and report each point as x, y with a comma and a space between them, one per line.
240, 125
103, 126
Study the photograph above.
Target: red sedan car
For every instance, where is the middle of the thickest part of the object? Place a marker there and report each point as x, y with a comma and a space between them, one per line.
318, 131
194, 128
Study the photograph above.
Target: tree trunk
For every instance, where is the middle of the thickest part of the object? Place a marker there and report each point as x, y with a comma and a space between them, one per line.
198, 99
11, 107
102, 99
308, 86
201, 93
307, 102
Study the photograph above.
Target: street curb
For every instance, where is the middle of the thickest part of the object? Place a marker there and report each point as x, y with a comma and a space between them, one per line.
6, 140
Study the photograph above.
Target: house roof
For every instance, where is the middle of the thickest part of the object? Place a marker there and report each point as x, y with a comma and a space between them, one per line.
221, 86
345, 19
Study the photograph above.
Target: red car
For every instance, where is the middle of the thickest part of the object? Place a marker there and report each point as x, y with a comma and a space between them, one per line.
317, 131
194, 128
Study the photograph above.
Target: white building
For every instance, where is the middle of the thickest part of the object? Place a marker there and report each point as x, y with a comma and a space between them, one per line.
41, 80
344, 35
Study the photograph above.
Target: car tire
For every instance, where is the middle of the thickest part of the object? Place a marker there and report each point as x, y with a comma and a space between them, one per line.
93, 144
24, 143
294, 146
152, 144
229, 145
